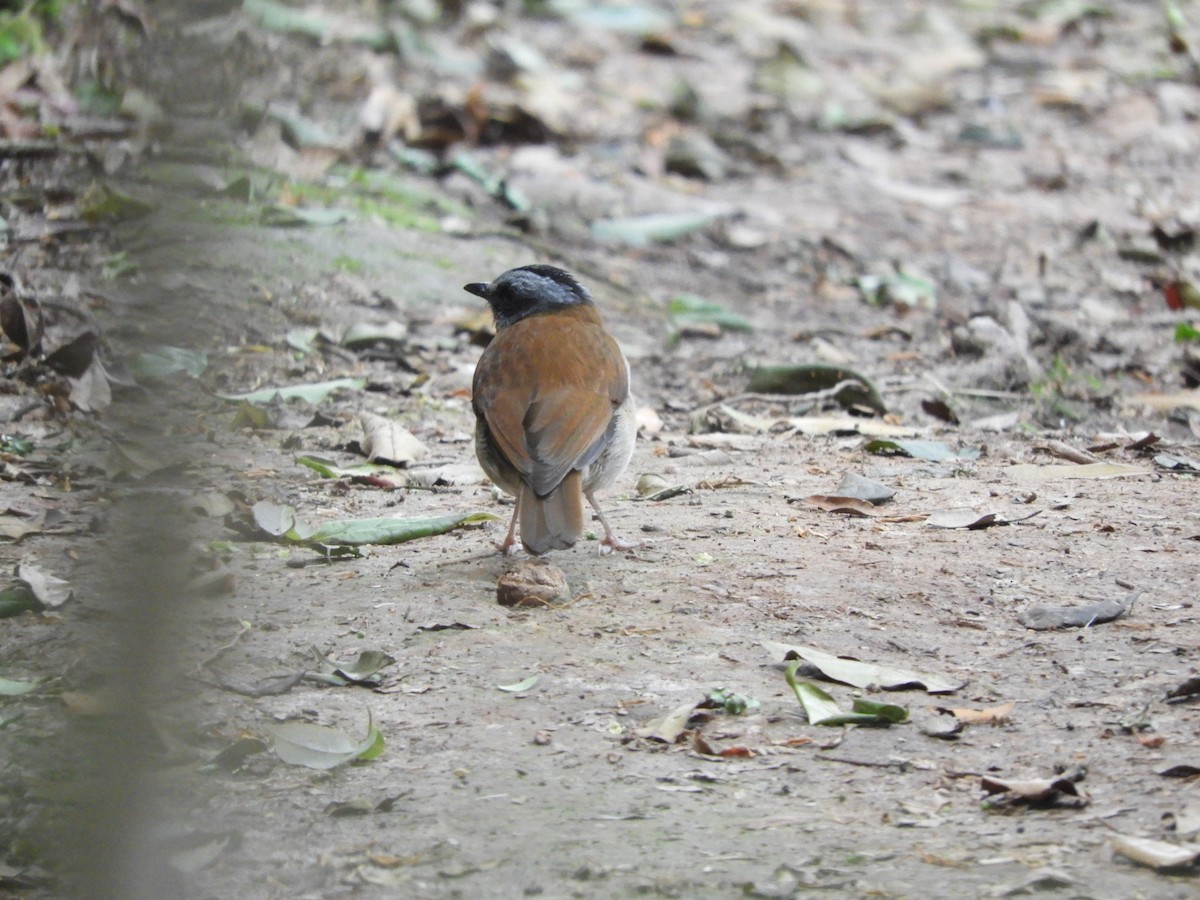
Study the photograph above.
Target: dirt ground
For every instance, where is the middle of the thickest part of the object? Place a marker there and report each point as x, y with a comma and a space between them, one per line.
1020, 178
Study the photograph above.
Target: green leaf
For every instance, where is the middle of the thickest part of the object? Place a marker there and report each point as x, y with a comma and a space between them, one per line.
275, 519
864, 674
375, 748
15, 444
330, 469
354, 532
303, 340
164, 362
889, 711
523, 685
253, 417
690, 309
363, 669
100, 202
901, 288
20, 34
321, 747
1185, 332
730, 702
117, 266
496, 185
655, 228
239, 188
10, 688
319, 26
933, 451
821, 709
309, 393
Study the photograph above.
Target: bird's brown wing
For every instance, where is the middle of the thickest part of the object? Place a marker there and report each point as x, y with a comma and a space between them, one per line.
547, 387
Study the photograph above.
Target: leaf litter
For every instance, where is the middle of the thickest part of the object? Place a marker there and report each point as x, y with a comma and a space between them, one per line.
890, 370
322, 747
821, 709
863, 674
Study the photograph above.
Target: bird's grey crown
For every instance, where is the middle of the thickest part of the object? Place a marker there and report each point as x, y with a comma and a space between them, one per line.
532, 289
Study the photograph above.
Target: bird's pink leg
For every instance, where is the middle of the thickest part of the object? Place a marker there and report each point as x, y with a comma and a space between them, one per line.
612, 541
509, 546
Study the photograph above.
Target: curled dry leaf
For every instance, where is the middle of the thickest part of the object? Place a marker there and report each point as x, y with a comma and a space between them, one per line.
1063, 788
74, 358
1179, 769
389, 442
1188, 688
20, 319
848, 506
519, 687
1155, 854
939, 409
387, 112
91, 392
1165, 403
864, 674
49, 590
862, 488
994, 715
972, 520
321, 747
670, 727
937, 726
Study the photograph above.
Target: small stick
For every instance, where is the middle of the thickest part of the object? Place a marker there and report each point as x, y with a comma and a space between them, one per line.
1066, 451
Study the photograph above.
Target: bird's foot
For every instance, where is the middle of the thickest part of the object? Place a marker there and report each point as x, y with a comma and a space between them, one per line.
612, 541
509, 545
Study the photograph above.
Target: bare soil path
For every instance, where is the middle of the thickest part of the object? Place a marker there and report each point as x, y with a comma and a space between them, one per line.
984, 207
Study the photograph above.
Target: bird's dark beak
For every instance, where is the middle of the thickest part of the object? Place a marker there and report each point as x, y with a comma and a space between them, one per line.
479, 289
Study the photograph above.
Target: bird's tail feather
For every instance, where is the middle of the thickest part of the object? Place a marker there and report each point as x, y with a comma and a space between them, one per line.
553, 522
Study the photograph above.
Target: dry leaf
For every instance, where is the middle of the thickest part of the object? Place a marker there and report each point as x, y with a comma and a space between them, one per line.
668, 728
1029, 472
389, 442
1037, 790
994, 715
1156, 854
850, 506
1164, 403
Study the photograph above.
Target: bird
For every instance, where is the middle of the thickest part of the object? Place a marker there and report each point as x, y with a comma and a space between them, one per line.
554, 417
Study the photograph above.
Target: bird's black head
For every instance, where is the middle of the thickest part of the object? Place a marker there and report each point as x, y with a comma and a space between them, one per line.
528, 290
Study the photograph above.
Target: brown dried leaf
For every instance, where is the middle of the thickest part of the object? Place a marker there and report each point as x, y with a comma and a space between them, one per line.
670, 727
389, 442
994, 715
21, 319
850, 506
1036, 790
